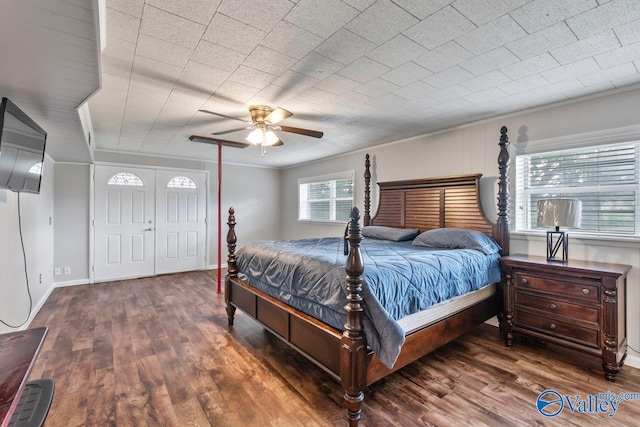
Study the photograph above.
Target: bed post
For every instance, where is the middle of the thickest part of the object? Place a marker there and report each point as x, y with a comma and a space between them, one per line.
503, 192
232, 271
367, 191
353, 351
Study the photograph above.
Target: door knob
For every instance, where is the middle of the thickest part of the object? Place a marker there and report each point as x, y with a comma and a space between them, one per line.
148, 229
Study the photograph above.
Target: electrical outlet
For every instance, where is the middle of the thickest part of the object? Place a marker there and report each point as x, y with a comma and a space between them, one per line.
67, 270
57, 271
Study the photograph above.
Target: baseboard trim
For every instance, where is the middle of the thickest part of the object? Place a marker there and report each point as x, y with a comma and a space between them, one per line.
76, 282
633, 361
36, 308
215, 266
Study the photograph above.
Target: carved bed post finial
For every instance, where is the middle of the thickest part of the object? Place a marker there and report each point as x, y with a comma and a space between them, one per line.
503, 191
353, 352
232, 270
367, 191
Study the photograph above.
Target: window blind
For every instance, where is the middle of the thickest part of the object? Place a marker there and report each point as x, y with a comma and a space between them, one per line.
326, 199
604, 178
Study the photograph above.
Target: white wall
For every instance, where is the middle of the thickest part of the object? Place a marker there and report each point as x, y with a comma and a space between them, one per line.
71, 225
474, 149
36, 214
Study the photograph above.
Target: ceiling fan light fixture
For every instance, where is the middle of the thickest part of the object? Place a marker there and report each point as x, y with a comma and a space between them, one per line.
262, 137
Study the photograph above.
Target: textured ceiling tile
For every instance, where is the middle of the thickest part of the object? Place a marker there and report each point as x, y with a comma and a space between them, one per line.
292, 81
415, 90
262, 14
619, 56
407, 73
381, 22
217, 56
452, 106
422, 8
585, 48
396, 51
575, 69
449, 77
489, 61
485, 96
541, 14
439, 28
122, 26
163, 51
337, 84
485, 81
317, 66
130, 7
491, 35
610, 74
252, 77
231, 33
482, 11
542, 41
558, 91
237, 92
291, 40
524, 84
604, 17
534, 65
445, 56
153, 84
166, 26
205, 73
344, 47
120, 49
269, 61
629, 33
322, 18
361, 5
156, 69
363, 70
376, 87
199, 11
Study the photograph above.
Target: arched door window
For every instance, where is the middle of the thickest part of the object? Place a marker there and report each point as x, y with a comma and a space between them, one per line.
126, 178
181, 182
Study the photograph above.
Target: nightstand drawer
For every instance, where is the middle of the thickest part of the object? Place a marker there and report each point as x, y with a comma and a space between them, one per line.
557, 307
552, 327
589, 292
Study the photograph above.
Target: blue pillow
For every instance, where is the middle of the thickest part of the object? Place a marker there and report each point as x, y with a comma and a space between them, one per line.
389, 233
457, 238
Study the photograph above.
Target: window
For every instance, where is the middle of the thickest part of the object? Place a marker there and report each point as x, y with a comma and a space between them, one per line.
327, 199
603, 177
181, 182
125, 178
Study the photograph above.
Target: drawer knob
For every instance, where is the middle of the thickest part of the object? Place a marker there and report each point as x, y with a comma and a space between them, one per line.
552, 326
524, 281
585, 291
553, 306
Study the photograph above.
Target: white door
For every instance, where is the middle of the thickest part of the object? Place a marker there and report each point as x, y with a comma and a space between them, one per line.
124, 222
180, 221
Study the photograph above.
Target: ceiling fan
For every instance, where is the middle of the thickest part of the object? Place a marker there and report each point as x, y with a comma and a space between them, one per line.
263, 124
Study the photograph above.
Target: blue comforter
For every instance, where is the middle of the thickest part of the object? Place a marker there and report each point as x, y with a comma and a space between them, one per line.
399, 279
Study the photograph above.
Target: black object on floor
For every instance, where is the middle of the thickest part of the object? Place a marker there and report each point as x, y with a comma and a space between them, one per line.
34, 403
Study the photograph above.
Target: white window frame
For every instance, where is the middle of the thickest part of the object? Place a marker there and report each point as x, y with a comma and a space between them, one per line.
627, 134
332, 178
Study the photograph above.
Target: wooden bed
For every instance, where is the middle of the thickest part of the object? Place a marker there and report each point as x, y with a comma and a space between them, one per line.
425, 204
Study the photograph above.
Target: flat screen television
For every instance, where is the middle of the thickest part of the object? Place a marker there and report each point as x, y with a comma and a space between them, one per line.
22, 144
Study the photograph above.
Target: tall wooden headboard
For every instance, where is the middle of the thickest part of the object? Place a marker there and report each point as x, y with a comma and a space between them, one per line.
452, 201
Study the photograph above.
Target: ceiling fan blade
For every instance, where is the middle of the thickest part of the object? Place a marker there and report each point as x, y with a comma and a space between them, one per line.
222, 115
224, 132
216, 141
277, 115
306, 132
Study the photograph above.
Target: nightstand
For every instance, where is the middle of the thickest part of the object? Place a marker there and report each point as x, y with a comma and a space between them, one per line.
580, 305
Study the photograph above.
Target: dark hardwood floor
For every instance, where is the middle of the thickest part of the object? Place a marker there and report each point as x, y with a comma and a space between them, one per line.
158, 352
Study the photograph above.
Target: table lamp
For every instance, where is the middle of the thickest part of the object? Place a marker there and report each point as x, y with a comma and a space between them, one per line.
558, 213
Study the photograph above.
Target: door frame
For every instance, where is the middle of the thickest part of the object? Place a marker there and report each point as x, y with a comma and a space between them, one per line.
92, 215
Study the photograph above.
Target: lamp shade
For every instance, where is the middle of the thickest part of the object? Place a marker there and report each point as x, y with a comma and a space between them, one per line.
559, 213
